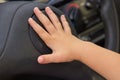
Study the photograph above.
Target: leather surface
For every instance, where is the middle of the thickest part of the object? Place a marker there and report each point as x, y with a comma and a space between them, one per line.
112, 28
19, 54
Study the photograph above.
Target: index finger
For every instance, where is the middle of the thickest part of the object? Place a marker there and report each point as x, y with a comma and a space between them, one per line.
39, 30
44, 20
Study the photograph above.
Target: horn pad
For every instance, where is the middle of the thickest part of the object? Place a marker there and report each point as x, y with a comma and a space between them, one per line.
20, 46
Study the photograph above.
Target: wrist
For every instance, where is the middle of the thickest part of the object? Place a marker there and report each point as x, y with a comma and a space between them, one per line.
81, 49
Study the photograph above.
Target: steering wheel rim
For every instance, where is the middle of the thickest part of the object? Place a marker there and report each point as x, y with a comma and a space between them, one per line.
112, 23
107, 12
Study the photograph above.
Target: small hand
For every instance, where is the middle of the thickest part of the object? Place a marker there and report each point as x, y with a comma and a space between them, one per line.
59, 39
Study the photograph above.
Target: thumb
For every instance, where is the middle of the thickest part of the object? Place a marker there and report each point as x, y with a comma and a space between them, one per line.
49, 58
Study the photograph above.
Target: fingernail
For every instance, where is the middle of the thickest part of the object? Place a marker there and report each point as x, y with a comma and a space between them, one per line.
63, 17
30, 19
48, 9
36, 8
40, 59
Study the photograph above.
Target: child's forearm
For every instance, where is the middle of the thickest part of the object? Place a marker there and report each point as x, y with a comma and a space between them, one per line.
103, 61
66, 47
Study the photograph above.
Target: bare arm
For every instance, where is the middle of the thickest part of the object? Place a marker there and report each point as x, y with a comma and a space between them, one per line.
103, 61
67, 47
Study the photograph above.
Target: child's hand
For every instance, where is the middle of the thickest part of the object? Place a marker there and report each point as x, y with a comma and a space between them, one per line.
59, 39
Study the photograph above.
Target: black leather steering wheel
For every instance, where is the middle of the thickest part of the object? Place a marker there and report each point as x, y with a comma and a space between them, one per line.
20, 46
18, 50
111, 20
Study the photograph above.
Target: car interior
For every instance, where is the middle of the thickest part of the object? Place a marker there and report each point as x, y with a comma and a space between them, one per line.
97, 21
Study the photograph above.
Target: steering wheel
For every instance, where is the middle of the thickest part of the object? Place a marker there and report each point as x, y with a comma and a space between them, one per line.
20, 45
101, 15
